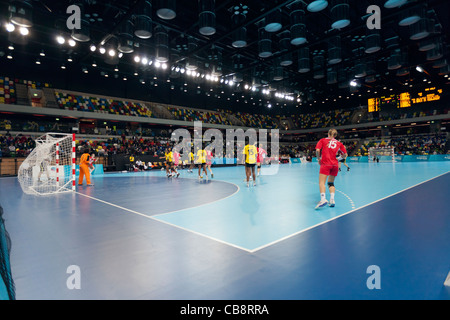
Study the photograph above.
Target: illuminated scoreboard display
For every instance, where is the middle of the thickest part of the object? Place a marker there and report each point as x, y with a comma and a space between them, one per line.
374, 104
405, 99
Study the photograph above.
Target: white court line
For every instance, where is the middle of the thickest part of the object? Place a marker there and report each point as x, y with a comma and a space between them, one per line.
344, 214
174, 225
238, 247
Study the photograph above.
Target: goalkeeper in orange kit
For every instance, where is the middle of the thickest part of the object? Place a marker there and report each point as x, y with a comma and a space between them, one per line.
84, 169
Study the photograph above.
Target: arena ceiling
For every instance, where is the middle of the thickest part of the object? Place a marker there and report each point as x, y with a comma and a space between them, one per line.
295, 53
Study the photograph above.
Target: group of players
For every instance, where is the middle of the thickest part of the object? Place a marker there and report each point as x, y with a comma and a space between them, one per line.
330, 153
253, 157
203, 160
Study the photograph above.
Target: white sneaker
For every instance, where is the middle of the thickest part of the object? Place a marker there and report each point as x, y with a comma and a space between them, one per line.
321, 204
331, 204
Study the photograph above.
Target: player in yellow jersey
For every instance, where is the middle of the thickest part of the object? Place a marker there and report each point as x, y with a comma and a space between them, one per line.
251, 153
171, 170
191, 162
201, 163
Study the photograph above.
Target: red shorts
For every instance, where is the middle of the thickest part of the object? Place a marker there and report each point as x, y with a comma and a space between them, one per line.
329, 170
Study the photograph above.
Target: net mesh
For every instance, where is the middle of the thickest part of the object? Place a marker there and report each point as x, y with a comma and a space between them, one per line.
5, 266
48, 168
381, 154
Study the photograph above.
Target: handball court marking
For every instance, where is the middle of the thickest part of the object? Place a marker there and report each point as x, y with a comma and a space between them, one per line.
238, 189
174, 211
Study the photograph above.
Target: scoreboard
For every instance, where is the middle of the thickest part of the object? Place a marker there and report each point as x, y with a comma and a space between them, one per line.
405, 99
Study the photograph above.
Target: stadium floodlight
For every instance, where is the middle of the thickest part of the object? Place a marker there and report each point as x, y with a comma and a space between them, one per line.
353, 83
24, 31
10, 27
60, 39
420, 69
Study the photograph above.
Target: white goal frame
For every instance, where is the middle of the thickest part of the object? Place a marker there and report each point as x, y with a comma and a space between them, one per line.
55, 156
382, 152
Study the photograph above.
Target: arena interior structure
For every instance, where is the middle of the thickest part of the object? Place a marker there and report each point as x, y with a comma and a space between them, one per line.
123, 75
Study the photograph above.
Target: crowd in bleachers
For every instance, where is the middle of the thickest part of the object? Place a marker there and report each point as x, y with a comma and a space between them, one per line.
420, 145
18, 146
257, 120
135, 145
409, 145
185, 114
101, 105
389, 116
321, 119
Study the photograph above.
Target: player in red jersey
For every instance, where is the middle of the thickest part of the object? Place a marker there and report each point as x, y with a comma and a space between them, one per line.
260, 158
326, 150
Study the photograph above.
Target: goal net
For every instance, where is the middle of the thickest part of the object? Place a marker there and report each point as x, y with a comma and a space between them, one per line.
50, 167
381, 154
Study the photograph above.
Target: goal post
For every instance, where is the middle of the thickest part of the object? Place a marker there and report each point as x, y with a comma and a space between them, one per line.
381, 154
50, 167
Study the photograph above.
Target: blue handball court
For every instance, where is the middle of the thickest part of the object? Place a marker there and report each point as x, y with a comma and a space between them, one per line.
144, 236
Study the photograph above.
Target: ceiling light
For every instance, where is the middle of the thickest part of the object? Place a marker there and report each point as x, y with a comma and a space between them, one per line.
102, 50
303, 60
340, 14
143, 24
298, 27
24, 31
126, 43
167, 9
264, 44
71, 42
421, 29
83, 33
394, 3
10, 27
60, 39
38, 61
239, 36
207, 17
21, 13
419, 69
93, 47
112, 52
42, 54
273, 21
162, 44
409, 17
317, 5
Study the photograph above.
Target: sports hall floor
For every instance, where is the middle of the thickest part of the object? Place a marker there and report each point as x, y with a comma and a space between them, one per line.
143, 236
